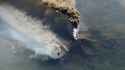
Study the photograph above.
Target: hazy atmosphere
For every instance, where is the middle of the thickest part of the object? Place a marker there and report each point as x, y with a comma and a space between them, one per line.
26, 26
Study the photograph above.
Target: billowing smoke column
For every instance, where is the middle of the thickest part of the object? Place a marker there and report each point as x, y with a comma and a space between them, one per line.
67, 8
31, 31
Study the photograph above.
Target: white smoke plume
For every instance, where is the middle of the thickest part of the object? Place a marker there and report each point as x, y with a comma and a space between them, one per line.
31, 31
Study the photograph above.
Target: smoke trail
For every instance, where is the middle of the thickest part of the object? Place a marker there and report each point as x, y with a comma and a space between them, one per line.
31, 31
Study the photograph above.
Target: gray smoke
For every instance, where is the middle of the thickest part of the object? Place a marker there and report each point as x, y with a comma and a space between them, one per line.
30, 31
